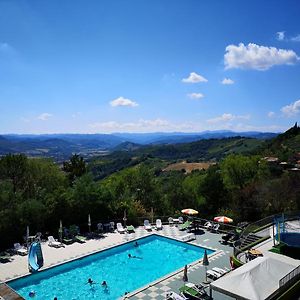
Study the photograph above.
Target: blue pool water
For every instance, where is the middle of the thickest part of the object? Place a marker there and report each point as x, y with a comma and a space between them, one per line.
157, 256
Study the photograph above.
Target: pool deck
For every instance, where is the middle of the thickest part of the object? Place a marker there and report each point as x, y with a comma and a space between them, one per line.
18, 267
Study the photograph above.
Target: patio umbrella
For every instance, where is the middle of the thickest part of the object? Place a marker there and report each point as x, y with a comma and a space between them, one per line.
125, 218
89, 222
223, 219
189, 211
60, 230
205, 263
185, 277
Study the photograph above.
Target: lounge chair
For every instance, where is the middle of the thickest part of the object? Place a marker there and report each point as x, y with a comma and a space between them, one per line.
212, 274
147, 225
5, 257
215, 228
191, 291
100, 228
130, 228
158, 224
180, 220
53, 243
175, 296
220, 271
170, 220
20, 249
188, 237
185, 225
80, 239
208, 225
120, 228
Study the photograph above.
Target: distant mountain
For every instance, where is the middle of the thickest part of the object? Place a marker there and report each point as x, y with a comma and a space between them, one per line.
62, 146
182, 137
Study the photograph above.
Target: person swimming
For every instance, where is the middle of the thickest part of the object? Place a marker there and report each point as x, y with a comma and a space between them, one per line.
91, 282
133, 256
136, 244
104, 284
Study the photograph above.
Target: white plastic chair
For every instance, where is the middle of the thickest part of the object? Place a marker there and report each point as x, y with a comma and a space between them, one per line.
120, 228
147, 225
158, 224
171, 222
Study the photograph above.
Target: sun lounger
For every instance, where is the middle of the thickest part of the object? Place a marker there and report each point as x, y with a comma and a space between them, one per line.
180, 220
147, 225
80, 239
20, 249
220, 271
67, 241
112, 226
212, 274
158, 224
170, 220
185, 225
191, 291
188, 237
175, 296
215, 227
208, 225
130, 228
198, 287
53, 243
5, 257
120, 228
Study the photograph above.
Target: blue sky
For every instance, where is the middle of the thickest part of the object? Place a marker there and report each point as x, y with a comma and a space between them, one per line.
147, 66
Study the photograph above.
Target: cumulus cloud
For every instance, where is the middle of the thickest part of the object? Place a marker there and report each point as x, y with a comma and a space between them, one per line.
121, 101
44, 116
280, 35
271, 114
292, 109
296, 38
195, 96
257, 57
227, 81
194, 78
227, 117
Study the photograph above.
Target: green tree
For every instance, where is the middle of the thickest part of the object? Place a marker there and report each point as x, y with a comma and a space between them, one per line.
75, 168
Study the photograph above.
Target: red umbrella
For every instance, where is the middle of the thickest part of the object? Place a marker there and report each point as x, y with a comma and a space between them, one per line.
223, 219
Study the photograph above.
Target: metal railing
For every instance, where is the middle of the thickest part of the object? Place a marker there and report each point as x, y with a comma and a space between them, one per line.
290, 277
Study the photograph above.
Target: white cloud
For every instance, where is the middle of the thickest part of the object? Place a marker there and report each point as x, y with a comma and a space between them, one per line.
257, 57
121, 101
271, 114
280, 35
292, 109
194, 78
227, 81
44, 116
226, 117
296, 38
195, 96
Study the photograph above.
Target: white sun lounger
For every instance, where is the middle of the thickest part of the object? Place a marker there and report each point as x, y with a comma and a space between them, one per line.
188, 237
219, 270
147, 225
53, 243
19, 249
120, 228
213, 274
208, 225
158, 224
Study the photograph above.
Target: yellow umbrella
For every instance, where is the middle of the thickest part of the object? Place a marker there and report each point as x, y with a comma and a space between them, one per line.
189, 211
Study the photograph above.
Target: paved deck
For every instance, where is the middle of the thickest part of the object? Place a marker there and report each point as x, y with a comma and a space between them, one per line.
157, 290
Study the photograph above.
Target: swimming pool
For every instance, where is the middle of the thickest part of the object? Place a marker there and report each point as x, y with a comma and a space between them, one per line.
156, 257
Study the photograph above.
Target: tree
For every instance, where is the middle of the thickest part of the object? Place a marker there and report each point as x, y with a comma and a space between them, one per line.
75, 168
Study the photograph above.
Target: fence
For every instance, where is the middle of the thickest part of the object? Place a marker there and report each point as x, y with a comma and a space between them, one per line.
290, 277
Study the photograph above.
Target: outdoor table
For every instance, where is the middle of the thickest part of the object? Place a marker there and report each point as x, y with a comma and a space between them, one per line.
176, 221
255, 252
